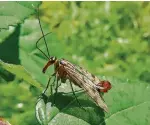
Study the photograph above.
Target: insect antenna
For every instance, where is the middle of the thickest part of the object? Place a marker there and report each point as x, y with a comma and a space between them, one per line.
43, 36
39, 48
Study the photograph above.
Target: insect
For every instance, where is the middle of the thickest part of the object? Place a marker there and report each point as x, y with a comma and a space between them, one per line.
65, 70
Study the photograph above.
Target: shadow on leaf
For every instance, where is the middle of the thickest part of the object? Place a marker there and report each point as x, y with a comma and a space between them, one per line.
68, 105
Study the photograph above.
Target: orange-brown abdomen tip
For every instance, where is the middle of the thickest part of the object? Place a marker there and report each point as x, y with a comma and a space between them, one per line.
106, 85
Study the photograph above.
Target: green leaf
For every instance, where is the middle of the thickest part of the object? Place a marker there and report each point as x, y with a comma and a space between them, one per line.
44, 110
5, 33
12, 13
128, 103
10, 43
20, 72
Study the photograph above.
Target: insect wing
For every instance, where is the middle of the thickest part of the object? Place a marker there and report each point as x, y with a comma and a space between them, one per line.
92, 80
84, 83
88, 75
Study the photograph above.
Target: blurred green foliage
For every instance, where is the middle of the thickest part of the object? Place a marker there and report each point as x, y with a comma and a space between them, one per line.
106, 38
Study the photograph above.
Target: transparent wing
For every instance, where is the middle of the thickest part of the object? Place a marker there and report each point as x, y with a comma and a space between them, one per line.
81, 80
86, 76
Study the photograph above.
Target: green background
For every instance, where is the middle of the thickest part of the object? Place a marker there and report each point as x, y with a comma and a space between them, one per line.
109, 39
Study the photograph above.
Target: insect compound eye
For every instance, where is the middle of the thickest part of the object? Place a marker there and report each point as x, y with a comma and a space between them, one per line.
62, 62
53, 59
106, 85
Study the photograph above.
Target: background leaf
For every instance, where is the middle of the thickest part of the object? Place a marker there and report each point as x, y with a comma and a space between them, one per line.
12, 13
20, 72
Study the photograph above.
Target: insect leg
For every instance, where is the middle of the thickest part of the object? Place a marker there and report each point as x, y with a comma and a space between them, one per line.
48, 82
51, 87
56, 89
75, 96
43, 95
